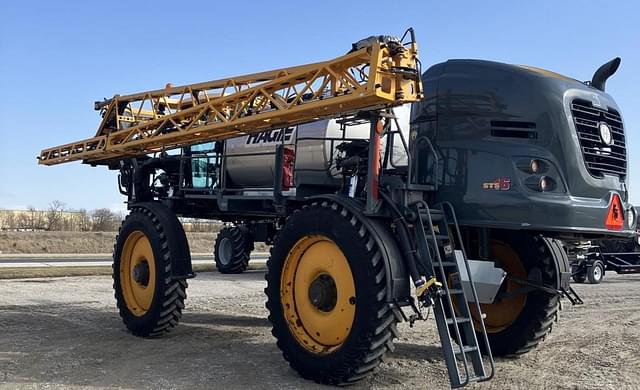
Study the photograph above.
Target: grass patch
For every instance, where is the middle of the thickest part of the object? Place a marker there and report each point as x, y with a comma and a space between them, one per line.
50, 272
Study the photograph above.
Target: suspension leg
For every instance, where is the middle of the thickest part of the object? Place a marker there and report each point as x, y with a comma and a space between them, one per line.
373, 164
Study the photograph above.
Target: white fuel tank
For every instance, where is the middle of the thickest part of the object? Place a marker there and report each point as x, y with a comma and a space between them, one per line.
250, 160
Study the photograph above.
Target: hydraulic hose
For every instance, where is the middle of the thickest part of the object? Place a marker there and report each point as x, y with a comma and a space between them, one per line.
405, 242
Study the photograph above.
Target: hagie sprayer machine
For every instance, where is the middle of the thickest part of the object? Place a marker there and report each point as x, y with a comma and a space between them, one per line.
384, 192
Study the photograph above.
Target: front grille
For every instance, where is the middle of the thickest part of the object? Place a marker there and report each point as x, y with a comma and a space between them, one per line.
599, 158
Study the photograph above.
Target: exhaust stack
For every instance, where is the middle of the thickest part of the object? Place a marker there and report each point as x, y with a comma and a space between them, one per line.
604, 72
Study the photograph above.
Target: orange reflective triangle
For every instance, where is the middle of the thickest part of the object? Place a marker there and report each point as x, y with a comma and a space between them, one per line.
615, 215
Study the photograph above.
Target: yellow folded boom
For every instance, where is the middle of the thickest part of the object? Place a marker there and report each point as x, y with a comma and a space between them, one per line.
381, 73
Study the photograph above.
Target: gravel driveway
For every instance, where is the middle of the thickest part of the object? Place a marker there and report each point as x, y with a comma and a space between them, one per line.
65, 333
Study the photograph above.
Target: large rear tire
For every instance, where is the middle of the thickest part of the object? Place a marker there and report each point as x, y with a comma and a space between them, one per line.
326, 295
149, 300
232, 249
518, 324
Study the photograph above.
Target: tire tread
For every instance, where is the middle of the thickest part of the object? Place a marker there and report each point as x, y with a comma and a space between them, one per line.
376, 343
170, 317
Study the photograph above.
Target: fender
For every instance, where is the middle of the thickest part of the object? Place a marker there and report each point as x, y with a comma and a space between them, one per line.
181, 267
398, 286
560, 261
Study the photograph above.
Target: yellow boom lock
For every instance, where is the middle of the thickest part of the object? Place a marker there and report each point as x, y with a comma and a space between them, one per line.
379, 72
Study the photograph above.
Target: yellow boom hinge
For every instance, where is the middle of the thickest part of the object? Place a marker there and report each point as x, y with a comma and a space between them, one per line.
379, 72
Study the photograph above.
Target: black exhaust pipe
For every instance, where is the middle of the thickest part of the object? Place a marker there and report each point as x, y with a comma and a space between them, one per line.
604, 72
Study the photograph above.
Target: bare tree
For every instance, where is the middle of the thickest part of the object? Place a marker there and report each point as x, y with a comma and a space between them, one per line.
54, 215
3, 220
23, 222
104, 220
36, 219
84, 221
32, 215
10, 221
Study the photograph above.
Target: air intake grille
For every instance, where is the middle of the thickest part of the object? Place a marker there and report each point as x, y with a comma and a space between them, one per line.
599, 157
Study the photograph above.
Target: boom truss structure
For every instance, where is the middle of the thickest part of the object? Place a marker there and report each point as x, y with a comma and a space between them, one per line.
379, 72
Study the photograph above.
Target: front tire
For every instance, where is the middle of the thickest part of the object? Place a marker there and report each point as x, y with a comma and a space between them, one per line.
232, 250
326, 293
149, 300
518, 324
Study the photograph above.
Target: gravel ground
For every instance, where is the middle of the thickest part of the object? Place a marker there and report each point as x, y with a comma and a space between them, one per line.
65, 333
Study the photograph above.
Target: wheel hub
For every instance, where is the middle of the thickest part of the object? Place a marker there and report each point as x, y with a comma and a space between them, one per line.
141, 273
225, 251
501, 314
597, 273
137, 273
323, 293
318, 294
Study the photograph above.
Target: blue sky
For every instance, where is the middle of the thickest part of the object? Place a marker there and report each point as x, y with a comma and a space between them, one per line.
55, 60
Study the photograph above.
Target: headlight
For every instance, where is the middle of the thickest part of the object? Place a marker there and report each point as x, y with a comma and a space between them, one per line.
535, 166
546, 184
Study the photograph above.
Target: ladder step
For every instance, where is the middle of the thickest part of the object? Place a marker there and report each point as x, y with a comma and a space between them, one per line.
445, 263
463, 320
466, 349
432, 211
436, 215
477, 378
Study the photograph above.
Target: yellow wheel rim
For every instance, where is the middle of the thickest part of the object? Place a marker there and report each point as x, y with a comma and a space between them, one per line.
137, 273
502, 314
318, 294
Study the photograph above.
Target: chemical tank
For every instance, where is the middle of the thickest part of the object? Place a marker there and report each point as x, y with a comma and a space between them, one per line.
249, 160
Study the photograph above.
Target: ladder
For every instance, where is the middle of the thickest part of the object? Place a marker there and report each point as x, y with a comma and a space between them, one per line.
460, 345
